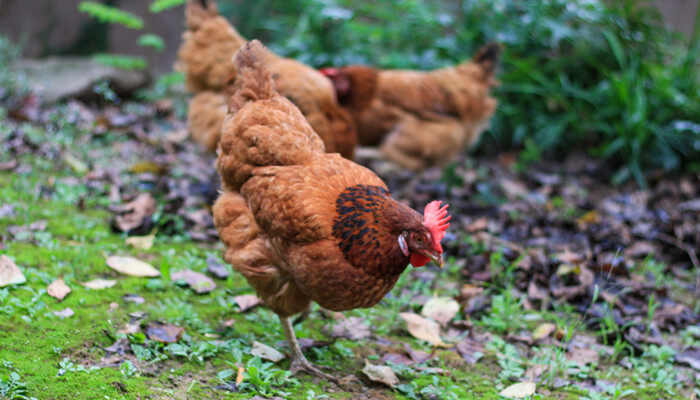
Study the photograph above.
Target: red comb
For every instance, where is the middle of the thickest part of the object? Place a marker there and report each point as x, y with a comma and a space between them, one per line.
330, 72
435, 218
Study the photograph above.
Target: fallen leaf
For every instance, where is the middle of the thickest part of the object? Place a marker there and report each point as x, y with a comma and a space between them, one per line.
65, 313
135, 216
469, 291
640, 249
423, 328
513, 189
132, 266
397, 358
121, 347
588, 218
583, 355
247, 301
133, 298
543, 330
478, 225
519, 390
199, 282
239, 376
380, 373
353, 328
471, 350
148, 166
58, 289
690, 357
10, 274
141, 242
417, 356
534, 372
569, 257
97, 284
164, 333
216, 268
266, 352
440, 309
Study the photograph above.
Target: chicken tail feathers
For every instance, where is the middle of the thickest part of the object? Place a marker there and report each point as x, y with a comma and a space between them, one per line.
254, 80
198, 11
488, 56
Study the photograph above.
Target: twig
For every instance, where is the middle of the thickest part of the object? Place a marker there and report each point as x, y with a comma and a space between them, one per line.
674, 241
681, 245
491, 238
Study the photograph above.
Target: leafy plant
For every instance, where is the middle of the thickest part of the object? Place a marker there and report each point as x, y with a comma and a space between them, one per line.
113, 15
12, 387
509, 359
260, 378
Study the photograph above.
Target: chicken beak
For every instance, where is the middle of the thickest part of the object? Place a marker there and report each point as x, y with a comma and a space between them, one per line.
435, 257
439, 261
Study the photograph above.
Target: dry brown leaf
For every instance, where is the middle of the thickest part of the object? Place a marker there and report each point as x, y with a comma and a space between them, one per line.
588, 218
266, 352
135, 214
380, 373
165, 333
440, 309
58, 289
471, 350
247, 301
132, 266
519, 390
10, 274
353, 328
97, 284
583, 355
141, 242
423, 328
397, 358
543, 330
199, 282
569, 257
478, 225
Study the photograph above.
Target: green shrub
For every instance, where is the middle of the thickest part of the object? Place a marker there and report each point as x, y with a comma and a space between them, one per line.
577, 75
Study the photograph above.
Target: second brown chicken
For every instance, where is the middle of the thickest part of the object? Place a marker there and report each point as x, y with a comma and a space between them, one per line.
420, 118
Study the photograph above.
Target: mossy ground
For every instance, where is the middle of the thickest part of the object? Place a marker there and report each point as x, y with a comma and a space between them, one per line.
60, 358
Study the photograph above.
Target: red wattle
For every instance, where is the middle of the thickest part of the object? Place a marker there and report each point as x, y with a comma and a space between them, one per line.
418, 260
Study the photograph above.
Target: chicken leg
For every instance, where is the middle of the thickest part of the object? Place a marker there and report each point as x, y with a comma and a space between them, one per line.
299, 362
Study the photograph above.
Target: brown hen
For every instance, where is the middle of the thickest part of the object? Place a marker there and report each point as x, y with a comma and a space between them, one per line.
302, 225
205, 58
420, 119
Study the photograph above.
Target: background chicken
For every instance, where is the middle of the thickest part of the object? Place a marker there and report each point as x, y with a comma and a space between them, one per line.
302, 225
420, 119
205, 58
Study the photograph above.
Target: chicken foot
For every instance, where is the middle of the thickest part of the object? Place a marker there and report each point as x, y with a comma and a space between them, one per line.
299, 362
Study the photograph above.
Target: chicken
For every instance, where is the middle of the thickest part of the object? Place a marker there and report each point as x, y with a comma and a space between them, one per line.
420, 119
205, 58
302, 225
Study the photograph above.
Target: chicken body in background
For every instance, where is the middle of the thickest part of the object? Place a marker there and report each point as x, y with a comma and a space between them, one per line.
205, 58
420, 119
302, 225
